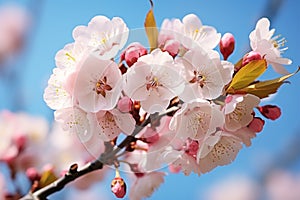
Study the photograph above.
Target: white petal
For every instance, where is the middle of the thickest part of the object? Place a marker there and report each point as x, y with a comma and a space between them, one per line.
124, 121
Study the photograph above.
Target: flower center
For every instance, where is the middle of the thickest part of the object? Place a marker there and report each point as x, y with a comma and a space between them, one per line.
102, 87
152, 82
279, 42
198, 78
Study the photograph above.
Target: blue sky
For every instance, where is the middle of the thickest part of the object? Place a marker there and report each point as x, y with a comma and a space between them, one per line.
53, 29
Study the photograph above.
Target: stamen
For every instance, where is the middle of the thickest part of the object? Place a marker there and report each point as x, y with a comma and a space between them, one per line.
101, 87
279, 42
199, 78
70, 57
152, 82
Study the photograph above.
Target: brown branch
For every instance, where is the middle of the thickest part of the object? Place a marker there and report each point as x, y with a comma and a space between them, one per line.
106, 158
60, 183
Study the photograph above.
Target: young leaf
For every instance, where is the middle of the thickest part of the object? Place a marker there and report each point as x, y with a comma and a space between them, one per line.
151, 28
265, 88
47, 178
246, 75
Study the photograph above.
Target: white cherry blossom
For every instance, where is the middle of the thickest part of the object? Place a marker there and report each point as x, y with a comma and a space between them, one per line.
98, 84
74, 120
109, 124
221, 149
145, 185
238, 110
196, 119
103, 36
205, 74
269, 46
193, 33
69, 56
56, 95
154, 81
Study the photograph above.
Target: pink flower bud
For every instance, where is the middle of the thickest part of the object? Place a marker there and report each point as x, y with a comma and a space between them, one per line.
270, 111
227, 45
172, 47
256, 125
32, 174
118, 187
252, 55
133, 52
125, 104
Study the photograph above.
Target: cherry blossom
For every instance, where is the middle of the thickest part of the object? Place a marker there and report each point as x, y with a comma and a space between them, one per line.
281, 184
102, 36
196, 119
21, 135
15, 21
153, 81
159, 141
205, 74
271, 48
238, 110
193, 33
69, 56
166, 37
74, 120
221, 149
98, 84
248, 188
145, 185
56, 94
109, 124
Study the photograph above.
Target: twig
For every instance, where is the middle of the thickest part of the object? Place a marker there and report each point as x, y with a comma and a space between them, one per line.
106, 158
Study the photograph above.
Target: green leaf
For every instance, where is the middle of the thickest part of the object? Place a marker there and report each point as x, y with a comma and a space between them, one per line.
246, 75
265, 88
151, 28
47, 178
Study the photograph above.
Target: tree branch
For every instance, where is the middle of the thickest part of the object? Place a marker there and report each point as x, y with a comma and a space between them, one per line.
60, 183
106, 158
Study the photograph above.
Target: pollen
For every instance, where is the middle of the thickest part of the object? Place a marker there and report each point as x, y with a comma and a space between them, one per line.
153, 82
279, 42
103, 41
70, 57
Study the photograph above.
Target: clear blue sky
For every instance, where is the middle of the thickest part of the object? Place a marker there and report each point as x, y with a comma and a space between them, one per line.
53, 29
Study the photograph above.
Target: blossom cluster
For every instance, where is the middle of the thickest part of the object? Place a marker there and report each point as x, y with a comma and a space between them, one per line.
22, 149
201, 107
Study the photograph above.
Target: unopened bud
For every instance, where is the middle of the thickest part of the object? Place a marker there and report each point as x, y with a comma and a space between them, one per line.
256, 125
252, 55
133, 52
270, 111
32, 174
118, 186
125, 104
227, 43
